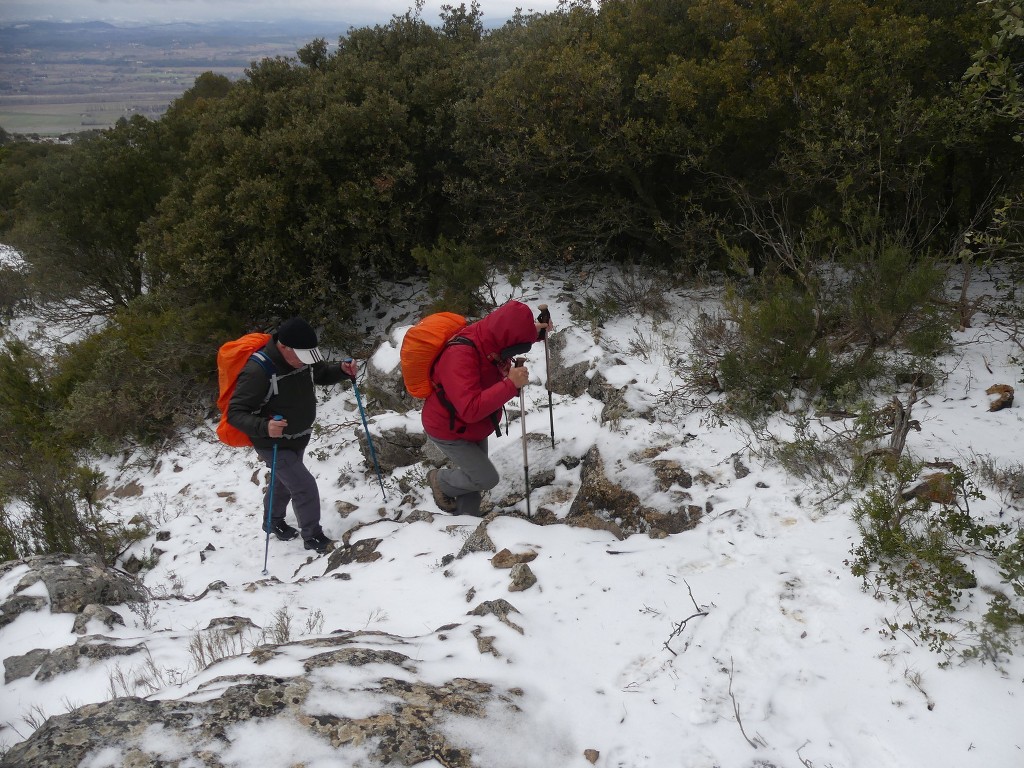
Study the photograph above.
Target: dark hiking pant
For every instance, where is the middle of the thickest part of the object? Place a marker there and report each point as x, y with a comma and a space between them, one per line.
473, 473
294, 483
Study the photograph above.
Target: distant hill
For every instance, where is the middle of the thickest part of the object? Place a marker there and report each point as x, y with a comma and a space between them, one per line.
63, 77
87, 35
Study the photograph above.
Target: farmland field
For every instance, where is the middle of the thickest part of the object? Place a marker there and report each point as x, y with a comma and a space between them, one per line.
58, 78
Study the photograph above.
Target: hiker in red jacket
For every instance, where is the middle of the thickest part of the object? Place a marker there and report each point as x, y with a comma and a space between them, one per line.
475, 378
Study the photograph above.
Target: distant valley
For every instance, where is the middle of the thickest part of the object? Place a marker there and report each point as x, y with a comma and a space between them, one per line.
66, 77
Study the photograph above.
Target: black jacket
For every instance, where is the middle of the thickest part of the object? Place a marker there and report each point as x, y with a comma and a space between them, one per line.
295, 399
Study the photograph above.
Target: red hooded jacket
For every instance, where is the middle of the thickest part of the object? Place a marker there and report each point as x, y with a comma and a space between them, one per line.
474, 377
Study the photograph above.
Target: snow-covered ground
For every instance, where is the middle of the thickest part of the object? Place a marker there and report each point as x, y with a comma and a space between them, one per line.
743, 642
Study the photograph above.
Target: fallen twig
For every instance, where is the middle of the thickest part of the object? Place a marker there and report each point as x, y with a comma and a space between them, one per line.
736, 711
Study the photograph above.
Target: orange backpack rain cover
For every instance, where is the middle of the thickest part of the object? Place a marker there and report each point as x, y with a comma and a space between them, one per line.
231, 359
421, 346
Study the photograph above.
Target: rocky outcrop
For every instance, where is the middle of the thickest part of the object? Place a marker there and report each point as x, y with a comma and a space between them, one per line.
400, 722
73, 583
393, 448
601, 504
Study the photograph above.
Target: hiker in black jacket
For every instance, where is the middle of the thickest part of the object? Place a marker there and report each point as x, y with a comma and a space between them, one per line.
293, 354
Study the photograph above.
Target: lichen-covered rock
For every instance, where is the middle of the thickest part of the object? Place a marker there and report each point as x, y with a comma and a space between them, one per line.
478, 541
363, 551
392, 448
17, 667
75, 581
70, 657
521, 578
402, 723
500, 608
98, 613
16, 605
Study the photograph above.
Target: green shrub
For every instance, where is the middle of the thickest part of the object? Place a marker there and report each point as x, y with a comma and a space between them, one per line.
918, 552
776, 347
457, 274
151, 370
47, 497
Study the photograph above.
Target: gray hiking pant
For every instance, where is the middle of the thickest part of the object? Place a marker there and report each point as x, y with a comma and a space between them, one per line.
473, 473
294, 483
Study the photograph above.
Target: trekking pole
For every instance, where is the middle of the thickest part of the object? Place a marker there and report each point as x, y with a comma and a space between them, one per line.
366, 428
545, 317
526, 460
270, 502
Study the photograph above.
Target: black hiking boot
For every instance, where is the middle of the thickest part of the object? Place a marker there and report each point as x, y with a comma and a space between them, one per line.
319, 543
281, 529
444, 502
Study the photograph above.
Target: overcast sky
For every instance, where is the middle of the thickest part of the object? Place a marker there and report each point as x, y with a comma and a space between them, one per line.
357, 12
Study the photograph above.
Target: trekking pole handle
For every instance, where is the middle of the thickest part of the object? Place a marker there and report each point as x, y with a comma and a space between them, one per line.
543, 317
351, 376
519, 362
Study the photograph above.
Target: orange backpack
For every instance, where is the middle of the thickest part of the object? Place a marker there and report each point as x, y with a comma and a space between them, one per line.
231, 359
422, 345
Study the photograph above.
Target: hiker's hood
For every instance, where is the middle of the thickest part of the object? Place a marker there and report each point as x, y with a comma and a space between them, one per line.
509, 325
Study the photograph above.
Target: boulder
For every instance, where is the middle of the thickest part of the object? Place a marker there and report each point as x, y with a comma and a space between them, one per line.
75, 581
393, 448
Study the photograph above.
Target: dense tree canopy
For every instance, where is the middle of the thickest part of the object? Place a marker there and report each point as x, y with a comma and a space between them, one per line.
688, 134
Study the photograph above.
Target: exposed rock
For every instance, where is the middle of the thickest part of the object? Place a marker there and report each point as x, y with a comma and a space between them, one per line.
386, 388
598, 387
17, 667
363, 551
674, 522
506, 559
98, 612
571, 380
405, 728
740, 468
485, 643
358, 657
420, 515
344, 508
75, 581
1003, 396
522, 578
16, 605
500, 608
592, 755
92, 648
602, 505
601, 497
670, 472
570, 462
132, 564
597, 493
595, 523
393, 448
478, 541
232, 626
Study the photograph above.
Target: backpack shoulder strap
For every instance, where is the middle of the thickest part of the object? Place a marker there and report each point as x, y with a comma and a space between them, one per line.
457, 341
264, 361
